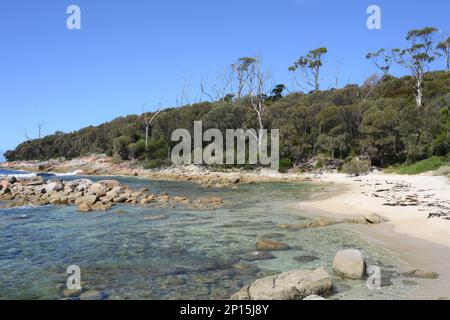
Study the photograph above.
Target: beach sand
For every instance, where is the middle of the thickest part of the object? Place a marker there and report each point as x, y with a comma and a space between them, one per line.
421, 241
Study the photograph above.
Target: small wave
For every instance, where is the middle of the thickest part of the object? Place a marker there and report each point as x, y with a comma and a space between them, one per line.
17, 174
68, 174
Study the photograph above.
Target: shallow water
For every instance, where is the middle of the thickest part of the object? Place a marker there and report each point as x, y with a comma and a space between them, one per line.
191, 254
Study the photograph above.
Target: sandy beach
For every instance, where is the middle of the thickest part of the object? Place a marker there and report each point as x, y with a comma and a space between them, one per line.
407, 201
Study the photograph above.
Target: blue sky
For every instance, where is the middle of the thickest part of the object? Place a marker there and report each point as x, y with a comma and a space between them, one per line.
133, 52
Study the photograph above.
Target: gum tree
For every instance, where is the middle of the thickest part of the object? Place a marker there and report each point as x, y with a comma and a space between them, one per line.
381, 60
443, 50
310, 66
417, 58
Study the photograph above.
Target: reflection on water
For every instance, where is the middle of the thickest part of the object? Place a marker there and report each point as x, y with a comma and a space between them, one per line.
190, 254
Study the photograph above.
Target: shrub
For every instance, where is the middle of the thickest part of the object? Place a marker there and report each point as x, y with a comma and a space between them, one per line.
285, 164
356, 167
430, 164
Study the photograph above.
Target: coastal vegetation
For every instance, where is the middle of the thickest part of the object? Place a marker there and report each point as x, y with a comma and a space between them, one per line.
387, 120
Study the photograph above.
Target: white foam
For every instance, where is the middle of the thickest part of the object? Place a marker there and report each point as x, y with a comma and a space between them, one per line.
68, 174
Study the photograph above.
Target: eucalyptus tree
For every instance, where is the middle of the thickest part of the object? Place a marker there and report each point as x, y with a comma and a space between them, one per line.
443, 50
310, 66
381, 59
417, 58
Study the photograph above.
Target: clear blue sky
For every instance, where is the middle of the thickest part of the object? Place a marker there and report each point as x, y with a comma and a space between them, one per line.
136, 51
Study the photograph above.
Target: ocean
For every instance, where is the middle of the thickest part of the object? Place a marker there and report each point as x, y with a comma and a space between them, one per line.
136, 252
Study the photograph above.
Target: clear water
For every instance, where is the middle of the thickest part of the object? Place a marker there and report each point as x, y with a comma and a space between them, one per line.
192, 254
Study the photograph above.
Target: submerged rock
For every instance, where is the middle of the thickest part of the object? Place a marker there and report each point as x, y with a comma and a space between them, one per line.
421, 274
292, 285
349, 264
271, 245
305, 259
258, 255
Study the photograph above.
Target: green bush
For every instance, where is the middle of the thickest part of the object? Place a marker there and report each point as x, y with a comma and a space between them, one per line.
356, 167
285, 164
430, 164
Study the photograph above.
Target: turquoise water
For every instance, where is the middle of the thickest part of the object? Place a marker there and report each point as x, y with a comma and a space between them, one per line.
191, 254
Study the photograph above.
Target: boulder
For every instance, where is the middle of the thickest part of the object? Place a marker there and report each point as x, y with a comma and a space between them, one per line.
349, 264
35, 181
54, 187
257, 256
120, 199
84, 207
292, 285
12, 180
375, 219
109, 184
89, 200
71, 293
4, 184
93, 295
271, 245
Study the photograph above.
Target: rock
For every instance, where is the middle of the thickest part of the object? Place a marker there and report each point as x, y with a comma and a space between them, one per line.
110, 184
314, 297
71, 293
420, 274
89, 200
35, 181
322, 222
257, 256
120, 199
99, 189
84, 207
375, 219
271, 245
12, 180
55, 200
305, 259
292, 285
54, 187
4, 184
93, 295
409, 282
349, 264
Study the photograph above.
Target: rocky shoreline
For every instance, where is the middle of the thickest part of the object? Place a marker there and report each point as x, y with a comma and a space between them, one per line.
89, 196
317, 284
105, 166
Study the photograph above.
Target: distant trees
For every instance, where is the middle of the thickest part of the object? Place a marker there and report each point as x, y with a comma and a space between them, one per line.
443, 50
310, 66
417, 57
381, 59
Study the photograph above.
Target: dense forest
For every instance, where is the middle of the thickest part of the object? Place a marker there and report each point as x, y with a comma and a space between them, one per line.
387, 119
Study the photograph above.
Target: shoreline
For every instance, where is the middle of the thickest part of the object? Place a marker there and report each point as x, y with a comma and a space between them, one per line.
423, 243
405, 200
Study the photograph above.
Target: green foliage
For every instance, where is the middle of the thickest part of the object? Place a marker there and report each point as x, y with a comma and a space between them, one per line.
381, 122
356, 167
285, 164
426, 165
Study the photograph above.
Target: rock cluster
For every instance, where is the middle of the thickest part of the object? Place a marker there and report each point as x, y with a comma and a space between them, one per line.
292, 285
88, 195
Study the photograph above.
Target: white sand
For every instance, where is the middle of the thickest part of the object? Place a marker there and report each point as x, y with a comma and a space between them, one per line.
426, 194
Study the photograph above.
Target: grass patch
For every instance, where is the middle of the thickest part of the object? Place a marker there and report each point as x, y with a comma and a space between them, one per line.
431, 164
